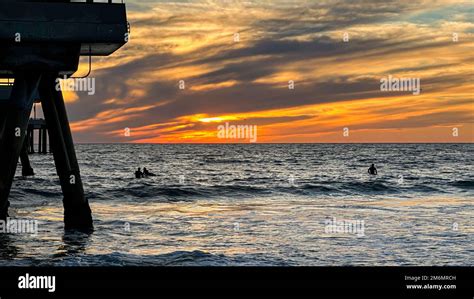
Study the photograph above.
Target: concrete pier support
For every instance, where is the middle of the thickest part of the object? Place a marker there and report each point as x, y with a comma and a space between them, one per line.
44, 143
3, 117
40, 140
14, 131
77, 213
31, 142
26, 169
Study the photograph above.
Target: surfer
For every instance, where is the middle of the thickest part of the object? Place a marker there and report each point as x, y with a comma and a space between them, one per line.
147, 173
372, 170
139, 174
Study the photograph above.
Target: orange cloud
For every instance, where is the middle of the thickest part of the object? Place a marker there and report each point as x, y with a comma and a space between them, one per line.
336, 83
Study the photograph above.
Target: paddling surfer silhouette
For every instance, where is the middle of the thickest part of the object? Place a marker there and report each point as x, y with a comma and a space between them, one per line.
372, 170
139, 174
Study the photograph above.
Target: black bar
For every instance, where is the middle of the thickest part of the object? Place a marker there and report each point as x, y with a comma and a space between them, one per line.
244, 282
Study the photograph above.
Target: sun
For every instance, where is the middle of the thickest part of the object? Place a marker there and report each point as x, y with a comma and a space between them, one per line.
216, 119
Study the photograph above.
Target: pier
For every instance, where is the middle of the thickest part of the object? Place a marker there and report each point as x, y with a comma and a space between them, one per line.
34, 125
42, 41
37, 125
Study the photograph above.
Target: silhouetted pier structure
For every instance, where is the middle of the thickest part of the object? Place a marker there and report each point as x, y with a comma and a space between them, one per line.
41, 41
39, 125
34, 124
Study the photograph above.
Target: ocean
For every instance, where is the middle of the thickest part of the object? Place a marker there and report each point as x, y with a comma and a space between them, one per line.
253, 205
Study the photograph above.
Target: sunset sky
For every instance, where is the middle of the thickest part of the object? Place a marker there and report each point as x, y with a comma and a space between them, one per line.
337, 83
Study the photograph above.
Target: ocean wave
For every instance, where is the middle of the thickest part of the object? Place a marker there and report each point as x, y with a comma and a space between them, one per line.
39, 192
189, 192
423, 188
147, 191
468, 185
307, 189
178, 258
228, 161
142, 191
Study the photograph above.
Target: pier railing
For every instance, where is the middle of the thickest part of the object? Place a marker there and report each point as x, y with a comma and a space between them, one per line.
6, 82
6, 86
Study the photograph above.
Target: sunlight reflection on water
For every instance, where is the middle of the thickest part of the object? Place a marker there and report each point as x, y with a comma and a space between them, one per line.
251, 214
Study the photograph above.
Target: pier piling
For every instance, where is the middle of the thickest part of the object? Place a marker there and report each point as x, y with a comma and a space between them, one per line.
26, 169
14, 132
77, 213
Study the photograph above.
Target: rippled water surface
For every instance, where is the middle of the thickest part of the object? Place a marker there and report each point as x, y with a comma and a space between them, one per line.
254, 205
